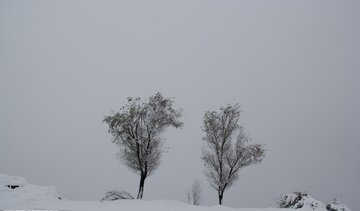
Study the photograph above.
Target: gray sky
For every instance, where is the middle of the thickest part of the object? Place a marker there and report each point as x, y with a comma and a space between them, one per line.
292, 65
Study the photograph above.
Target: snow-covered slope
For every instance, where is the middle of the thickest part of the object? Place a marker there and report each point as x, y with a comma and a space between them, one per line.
16, 193
336, 206
298, 200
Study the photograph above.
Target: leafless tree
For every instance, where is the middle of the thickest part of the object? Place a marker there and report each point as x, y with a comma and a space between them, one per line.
193, 195
223, 155
137, 130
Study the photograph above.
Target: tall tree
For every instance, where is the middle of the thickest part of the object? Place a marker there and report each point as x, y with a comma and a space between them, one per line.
137, 130
224, 155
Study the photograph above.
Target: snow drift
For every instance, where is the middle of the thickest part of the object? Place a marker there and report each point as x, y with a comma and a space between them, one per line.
334, 205
298, 200
302, 200
16, 193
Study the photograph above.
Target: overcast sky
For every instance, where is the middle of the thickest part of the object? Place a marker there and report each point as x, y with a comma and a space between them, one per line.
293, 66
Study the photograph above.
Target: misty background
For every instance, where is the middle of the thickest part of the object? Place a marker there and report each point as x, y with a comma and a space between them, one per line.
293, 66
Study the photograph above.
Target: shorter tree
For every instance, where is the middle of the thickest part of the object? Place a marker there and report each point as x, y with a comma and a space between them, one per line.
193, 195
222, 155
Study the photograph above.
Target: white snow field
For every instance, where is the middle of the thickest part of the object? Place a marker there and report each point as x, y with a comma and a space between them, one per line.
16, 193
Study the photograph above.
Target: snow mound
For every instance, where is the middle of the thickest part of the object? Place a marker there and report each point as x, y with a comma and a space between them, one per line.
298, 200
15, 192
334, 205
11, 181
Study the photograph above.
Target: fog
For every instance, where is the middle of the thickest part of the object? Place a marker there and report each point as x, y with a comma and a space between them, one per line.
293, 66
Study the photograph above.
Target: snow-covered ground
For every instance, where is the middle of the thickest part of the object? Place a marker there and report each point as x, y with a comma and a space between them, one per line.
16, 193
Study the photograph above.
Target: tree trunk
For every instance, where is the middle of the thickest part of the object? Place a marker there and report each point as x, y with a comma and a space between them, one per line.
141, 186
221, 194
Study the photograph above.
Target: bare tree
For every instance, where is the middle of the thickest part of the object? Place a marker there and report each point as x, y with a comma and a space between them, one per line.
193, 195
222, 155
137, 130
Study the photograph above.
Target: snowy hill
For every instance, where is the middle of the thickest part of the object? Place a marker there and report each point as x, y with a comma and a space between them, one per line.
16, 193
300, 200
